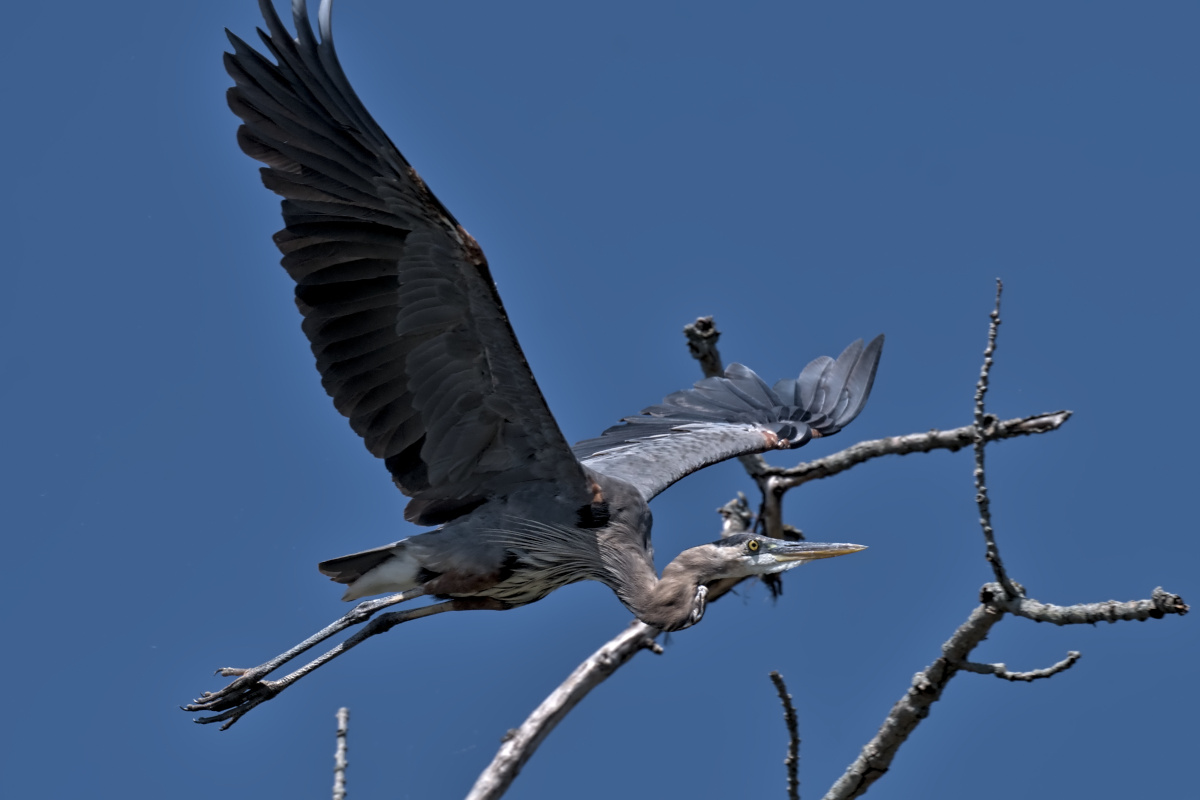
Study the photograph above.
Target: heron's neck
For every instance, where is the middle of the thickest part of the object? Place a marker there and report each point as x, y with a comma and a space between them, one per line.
670, 604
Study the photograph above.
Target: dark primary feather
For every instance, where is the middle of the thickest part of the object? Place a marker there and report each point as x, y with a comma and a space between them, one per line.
412, 341
733, 415
409, 334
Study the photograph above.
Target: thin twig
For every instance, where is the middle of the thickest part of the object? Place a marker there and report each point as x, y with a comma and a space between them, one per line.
792, 761
1001, 671
982, 422
981, 387
339, 755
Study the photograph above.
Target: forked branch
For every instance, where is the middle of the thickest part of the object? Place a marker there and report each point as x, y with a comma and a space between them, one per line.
876, 757
1005, 596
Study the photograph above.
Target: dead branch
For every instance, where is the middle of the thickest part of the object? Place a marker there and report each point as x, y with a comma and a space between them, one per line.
1001, 671
789, 719
952, 440
1158, 606
997, 599
982, 423
702, 336
339, 755
875, 758
521, 743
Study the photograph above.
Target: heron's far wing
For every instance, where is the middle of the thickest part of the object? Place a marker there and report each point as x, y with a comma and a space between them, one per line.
735, 415
409, 333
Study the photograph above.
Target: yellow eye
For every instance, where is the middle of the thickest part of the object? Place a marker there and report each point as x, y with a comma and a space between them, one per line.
752, 545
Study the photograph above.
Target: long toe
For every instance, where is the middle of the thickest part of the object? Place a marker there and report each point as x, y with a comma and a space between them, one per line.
232, 708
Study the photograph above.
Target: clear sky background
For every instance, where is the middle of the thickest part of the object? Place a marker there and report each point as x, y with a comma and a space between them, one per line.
807, 173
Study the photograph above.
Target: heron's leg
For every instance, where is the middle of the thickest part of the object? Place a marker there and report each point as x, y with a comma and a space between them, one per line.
234, 704
247, 678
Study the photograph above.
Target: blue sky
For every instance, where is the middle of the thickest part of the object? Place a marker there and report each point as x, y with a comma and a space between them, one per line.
807, 173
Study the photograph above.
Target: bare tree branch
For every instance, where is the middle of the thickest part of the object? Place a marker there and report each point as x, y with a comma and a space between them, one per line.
521, 743
982, 423
1001, 671
927, 685
702, 336
1159, 605
952, 440
997, 599
339, 755
789, 718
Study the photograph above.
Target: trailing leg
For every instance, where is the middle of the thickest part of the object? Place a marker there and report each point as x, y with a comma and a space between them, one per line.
246, 679
249, 690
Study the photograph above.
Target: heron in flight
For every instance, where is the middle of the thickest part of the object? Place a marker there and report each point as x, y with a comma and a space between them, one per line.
413, 345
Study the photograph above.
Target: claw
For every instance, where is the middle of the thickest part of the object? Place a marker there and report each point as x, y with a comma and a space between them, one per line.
233, 709
233, 701
230, 672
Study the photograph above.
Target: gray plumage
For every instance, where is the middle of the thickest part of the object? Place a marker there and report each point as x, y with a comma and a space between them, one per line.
720, 418
413, 344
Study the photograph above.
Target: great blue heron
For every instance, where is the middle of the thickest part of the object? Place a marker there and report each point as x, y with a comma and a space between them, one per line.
414, 347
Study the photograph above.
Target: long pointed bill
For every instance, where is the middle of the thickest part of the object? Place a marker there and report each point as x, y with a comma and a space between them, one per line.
810, 551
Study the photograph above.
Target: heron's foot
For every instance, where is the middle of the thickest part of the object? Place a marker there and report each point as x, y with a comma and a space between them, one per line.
246, 691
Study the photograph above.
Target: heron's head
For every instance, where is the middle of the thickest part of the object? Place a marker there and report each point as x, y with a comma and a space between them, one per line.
744, 555
679, 599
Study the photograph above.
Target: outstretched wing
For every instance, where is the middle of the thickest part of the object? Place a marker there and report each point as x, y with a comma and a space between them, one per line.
736, 415
409, 333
